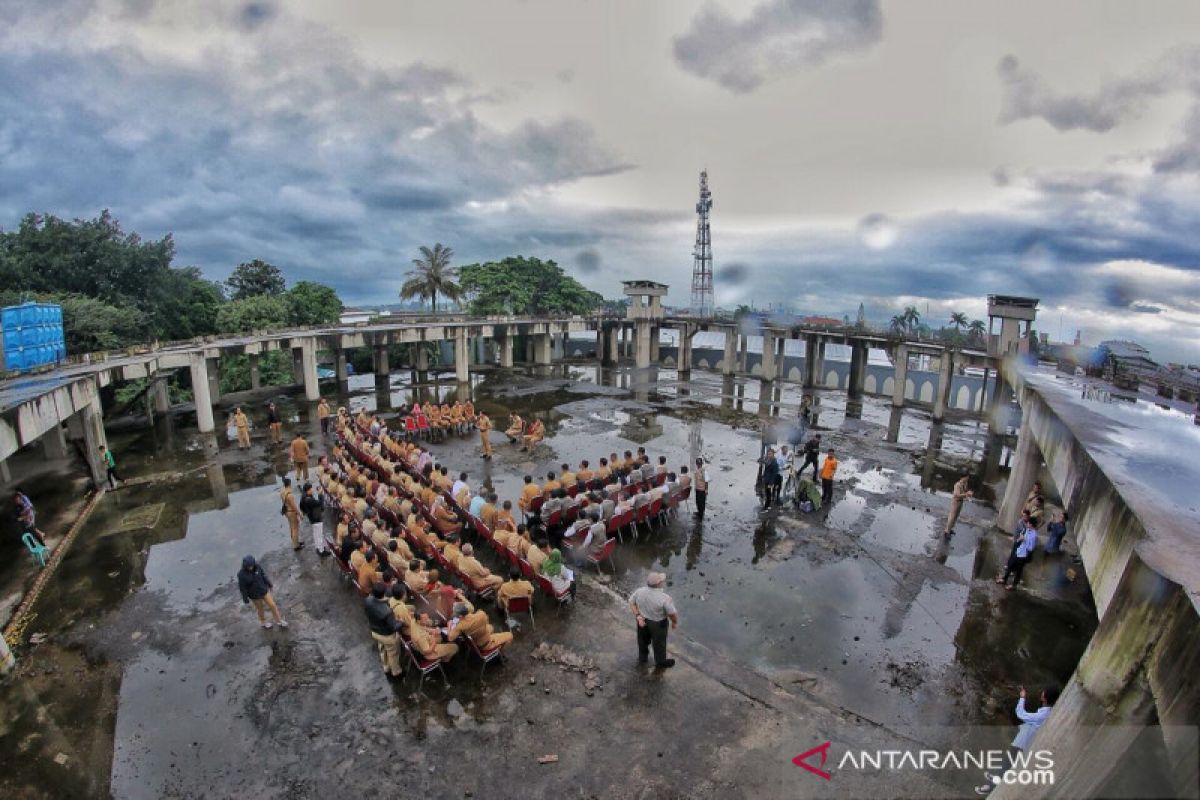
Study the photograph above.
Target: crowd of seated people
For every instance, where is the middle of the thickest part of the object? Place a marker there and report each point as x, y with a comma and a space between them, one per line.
429, 420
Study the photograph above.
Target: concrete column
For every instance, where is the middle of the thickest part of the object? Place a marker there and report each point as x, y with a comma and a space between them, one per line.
341, 370
744, 360
600, 345
94, 439
214, 379
420, 359
811, 369
204, 411
780, 351
858, 369
160, 395
684, 351
818, 365
1024, 471
255, 375
655, 343
643, 335
379, 360
612, 345
308, 360
54, 445
541, 349
730, 357
901, 375
768, 356
297, 366
941, 393
506, 348
462, 364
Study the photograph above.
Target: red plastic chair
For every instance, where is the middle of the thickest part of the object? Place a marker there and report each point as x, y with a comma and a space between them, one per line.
486, 656
604, 552
547, 588
423, 665
526, 569
521, 605
410, 427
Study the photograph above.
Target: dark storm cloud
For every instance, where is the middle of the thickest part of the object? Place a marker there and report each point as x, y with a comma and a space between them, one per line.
587, 260
732, 273
778, 38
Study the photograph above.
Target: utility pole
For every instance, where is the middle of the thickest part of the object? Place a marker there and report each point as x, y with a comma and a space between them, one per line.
702, 276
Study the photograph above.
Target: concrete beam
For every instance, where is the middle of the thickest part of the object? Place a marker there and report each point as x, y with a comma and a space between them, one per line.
200, 393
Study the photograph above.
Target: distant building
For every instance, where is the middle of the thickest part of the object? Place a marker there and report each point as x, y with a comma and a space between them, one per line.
1127, 364
822, 322
353, 316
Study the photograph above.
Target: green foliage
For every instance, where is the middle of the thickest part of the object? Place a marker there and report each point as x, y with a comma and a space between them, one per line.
958, 320
185, 305
432, 275
274, 369
520, 285
255, 278
253, 313
313, 304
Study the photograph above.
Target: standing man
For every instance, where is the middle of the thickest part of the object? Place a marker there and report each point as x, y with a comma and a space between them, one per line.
652, 609
771, 479
242, 423
828, 470
27, 516
256, 588
274, 423
314, 509
1056, 530
700, 483
385, 630
484, 424
291, 510
110, 465
300, 457
323, 414
1023, 553
960, 494
812, 452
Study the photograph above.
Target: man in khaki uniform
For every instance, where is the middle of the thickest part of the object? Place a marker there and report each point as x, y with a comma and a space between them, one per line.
515, 586
484, 424
242, 422
480, 576
475, 626
960, 494
323, 413
291, 510
300, 457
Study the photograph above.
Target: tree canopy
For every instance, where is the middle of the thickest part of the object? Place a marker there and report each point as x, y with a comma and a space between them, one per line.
254, 278
432, 275
312, 304
520, 285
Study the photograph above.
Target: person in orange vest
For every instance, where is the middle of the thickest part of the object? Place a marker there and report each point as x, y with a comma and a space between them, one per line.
828, 469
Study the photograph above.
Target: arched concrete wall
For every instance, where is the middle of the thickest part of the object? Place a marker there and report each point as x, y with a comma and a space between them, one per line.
703, 364
910, 389
889, 385
794, 374
963, 397
926, 392
869, 384
831, 380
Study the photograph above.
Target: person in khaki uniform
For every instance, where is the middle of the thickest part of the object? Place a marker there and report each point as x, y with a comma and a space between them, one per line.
475, 626
426, 641
516, 428
480, 576
300, 457
323, 413
528, 492
961, 493
291, 510
484, 424
242, 422
515, 586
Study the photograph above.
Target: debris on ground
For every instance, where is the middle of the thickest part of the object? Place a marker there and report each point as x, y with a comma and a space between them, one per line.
549, 758
571, 662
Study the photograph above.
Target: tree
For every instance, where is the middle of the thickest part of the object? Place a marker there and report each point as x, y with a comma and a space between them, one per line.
898, 325
255, 278
912, 318
526, 286
184, 305
958, 320
977, 330
432, 275
253, 313
90, 324
312, 303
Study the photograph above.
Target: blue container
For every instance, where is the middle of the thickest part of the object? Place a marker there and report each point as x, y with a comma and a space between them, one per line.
33, 335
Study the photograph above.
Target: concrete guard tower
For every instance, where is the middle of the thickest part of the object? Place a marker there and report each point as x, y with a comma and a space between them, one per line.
647, 313
1014, 314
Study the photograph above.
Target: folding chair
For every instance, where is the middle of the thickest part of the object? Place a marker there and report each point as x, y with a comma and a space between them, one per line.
486, 656
410, 428
39, 551
423, 665
526, 569
521, 605
547, 588
604, 552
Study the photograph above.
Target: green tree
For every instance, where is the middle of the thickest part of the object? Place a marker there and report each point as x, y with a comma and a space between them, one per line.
898, 325
255, 278
90, 324
958, 320
977, 330
184, 305
912, 319
253, 313
432, 275
312, 303
520, 285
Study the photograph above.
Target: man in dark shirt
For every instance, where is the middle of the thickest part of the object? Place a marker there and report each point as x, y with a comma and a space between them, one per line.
314, 511
812, 453
385, 630
274, 423
256, 588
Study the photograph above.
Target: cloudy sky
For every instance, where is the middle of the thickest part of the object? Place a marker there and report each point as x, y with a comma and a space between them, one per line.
858, 151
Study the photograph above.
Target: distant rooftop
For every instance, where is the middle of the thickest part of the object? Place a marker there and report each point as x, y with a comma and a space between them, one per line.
644, 285
1012, 300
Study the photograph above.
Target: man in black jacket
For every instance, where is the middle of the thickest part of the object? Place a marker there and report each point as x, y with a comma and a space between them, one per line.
256, 587
314, 510
385, 630
812, 453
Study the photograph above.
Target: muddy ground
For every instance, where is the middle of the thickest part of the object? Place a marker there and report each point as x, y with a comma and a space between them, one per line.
860, 624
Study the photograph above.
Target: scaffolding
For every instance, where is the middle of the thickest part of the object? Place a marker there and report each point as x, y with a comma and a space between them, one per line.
702, 274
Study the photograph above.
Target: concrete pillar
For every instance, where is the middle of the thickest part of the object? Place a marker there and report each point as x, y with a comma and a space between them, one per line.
1024, 471
255, 375
54, 444
308, 359
506, 348
160, 394
655, 343
297, 367
811, 369
780, 350
94, 439
858, 369
728, 361
612, 345
420, 358
818, 365
643, 336
768, 356
901, 375
600, 345
379, 361
541, 349
462, 364
214, 379
215, 472
686, 334
204, 411
744, 360
941, 393
341, 369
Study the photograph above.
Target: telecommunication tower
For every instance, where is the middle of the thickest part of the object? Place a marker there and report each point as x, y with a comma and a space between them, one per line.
702, 274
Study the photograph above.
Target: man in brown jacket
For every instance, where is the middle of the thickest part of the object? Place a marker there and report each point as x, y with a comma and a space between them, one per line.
291, 510
475, 626
300, 457
481, 578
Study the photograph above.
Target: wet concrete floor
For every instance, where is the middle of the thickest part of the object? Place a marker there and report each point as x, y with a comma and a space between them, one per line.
853, 624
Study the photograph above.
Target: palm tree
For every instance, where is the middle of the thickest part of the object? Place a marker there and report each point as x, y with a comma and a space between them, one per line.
432, 275
912, 318
898, 325
958, 320
977, 330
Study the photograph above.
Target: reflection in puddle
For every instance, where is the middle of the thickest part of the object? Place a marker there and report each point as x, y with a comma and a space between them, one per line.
902, 528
